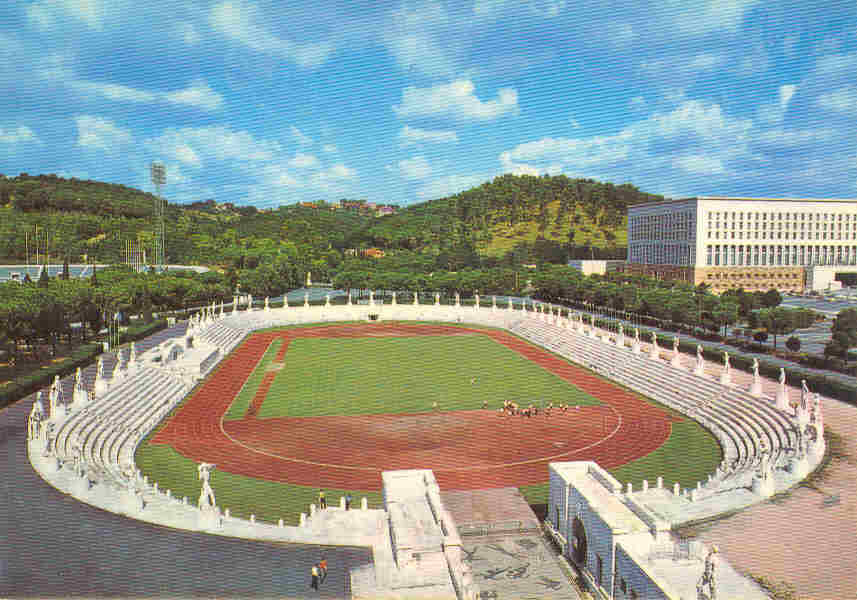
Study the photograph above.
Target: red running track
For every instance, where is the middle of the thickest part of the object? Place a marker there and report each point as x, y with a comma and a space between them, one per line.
465, 449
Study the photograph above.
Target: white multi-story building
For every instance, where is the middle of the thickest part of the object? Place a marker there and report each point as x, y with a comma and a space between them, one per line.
790, 244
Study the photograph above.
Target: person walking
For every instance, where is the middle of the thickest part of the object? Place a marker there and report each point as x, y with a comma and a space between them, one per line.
314, 578
322, 501
348, 501
323, 568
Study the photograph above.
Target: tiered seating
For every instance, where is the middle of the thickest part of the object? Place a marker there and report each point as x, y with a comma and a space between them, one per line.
109, 429
738, 420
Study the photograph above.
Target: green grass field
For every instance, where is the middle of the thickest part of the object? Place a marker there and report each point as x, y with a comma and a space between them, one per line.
328, 376
349, 376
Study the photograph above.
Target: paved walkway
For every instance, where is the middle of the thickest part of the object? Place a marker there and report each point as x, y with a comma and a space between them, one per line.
53, 545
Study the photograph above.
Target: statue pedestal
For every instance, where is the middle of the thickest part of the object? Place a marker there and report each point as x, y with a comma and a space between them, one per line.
699, 369
782, 400
676, 360
132, 502
799, 467
592, 332
620, 340
59, 413
802, 416
209, 519
725, 378
763, 486
654, 353
80, 487
756, 389
635, 347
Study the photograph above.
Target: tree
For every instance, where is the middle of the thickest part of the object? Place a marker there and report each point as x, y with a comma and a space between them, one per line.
793, 343
843, 334
778, 321
726, 314
771, 298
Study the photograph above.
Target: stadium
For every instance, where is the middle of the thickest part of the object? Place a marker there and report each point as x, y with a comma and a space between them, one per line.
284, 402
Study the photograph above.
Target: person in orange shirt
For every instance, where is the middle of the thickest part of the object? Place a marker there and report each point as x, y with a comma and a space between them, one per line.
323, 566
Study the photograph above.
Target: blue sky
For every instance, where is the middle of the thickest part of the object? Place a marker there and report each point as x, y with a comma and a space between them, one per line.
270, 103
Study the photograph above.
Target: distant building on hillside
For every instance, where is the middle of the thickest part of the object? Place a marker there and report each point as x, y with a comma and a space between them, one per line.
789, 244
596, 267
386, 209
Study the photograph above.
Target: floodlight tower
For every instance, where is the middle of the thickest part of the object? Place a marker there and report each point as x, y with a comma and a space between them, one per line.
159, 178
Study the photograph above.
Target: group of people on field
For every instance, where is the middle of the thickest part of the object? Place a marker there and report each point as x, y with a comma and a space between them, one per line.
512, 409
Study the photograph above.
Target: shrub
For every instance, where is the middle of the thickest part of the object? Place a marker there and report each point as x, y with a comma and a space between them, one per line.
793, 343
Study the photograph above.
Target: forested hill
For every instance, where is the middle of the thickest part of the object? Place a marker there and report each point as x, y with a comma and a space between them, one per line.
516, 219
582, 216
74, 218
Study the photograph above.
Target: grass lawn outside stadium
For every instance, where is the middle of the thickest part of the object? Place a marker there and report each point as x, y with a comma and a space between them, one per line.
402, 375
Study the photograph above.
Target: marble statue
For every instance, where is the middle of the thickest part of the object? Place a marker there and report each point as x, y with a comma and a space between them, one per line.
457, 299
308, 278
327, 299
621, 330
755, 370
34, 423
437, 298
54, 395
493, 302
306, 299
371, 298
416, 298
267, 303
348, 300
636, 335
675, 344
206, 497
726, 366
782, 379
804, 393
707, 580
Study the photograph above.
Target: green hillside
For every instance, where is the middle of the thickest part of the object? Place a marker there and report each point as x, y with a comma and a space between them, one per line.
580, 215
514, 219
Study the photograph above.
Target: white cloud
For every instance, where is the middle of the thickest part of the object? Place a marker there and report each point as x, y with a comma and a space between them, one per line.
187, 33
243, 22
707, 16
49, 13
790, 139
22, 133
198, 94
340, 171
417, 167
679, 66
455, 100
773, 112
329, 148
417, 37
192, 145
637, 103
99, 132
842, 100
694, 137
699, 165
300, 136
414, 135
113, 91
303, 161
449, 185
542, 8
